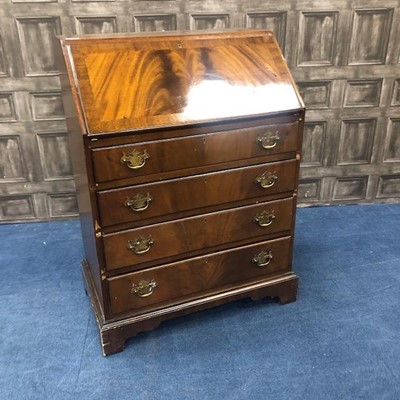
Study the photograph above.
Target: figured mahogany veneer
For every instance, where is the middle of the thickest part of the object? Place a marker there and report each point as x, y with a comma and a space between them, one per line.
187, 235
199, 191
186, 151
195, 151
198, 275
164, 80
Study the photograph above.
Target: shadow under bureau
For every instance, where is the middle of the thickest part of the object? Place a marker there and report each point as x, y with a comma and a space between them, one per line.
186, 152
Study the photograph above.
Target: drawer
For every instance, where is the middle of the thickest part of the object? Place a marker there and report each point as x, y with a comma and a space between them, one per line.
134, 203
169, 239
173, 283
153, 157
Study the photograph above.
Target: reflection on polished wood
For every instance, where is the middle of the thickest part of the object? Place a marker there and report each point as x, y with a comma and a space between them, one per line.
130, 83
186, 149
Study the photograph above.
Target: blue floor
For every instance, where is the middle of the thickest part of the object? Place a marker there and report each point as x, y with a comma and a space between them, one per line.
340, 340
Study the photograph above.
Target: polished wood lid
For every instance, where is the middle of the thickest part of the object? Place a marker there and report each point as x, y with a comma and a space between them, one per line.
133, 82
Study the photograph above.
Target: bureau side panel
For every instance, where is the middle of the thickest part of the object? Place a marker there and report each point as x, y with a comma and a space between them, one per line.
296, 188
87, 207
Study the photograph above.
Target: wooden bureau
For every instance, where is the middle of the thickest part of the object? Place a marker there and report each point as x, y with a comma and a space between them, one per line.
186, 152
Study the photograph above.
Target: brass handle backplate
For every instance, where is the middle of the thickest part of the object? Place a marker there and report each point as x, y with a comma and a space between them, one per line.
262, 259
265, 218
144, 288
140, 245
139, 202
267, 179
268, 140
135, 159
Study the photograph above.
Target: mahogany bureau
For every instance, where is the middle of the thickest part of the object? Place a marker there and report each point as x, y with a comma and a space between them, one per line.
186, 152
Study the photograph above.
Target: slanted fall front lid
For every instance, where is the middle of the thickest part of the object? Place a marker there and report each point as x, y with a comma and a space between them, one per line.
135, 82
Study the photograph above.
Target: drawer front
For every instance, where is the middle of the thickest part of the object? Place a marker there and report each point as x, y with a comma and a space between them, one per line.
137, 246
174, 154
140, 202
172, 283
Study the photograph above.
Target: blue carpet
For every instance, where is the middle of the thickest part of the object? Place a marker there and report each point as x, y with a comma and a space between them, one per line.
340, 340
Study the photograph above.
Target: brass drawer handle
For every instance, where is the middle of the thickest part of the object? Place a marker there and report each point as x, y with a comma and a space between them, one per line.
267, 179
139, 202
262, 259
144, 288
135, 160
140, 245
265, 218
269, 140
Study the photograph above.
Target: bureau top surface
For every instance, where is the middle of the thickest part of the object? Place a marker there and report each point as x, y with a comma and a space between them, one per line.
134, 82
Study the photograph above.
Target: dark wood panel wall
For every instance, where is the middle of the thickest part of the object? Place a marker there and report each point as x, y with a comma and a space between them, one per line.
345, 57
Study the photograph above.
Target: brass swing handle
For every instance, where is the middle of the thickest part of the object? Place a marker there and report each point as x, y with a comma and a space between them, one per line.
140, 245
267, 179
262, 259
139, 202
269, 140
144, 288
265, 218
135, 159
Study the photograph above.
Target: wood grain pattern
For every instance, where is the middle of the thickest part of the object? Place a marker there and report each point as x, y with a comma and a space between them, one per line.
274, 21
62, 204
389, 186
196, 192
7, 108
47, 106
317, 38
58, 166
198, 276
363, 93
3, 68
351, 188
396, 93
203, 213
210, 78
11, 167
154, 23
99, 25
17, 206
195, 151
313, 143
370, 36
37, 36
315, 94
356, 140
200, 233
392, 149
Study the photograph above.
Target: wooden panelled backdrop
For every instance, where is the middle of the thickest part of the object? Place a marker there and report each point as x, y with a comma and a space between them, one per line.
344, 55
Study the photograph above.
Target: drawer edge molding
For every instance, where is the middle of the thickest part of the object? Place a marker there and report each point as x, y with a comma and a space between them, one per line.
198, 276
197, 192
194, 151
200, 233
